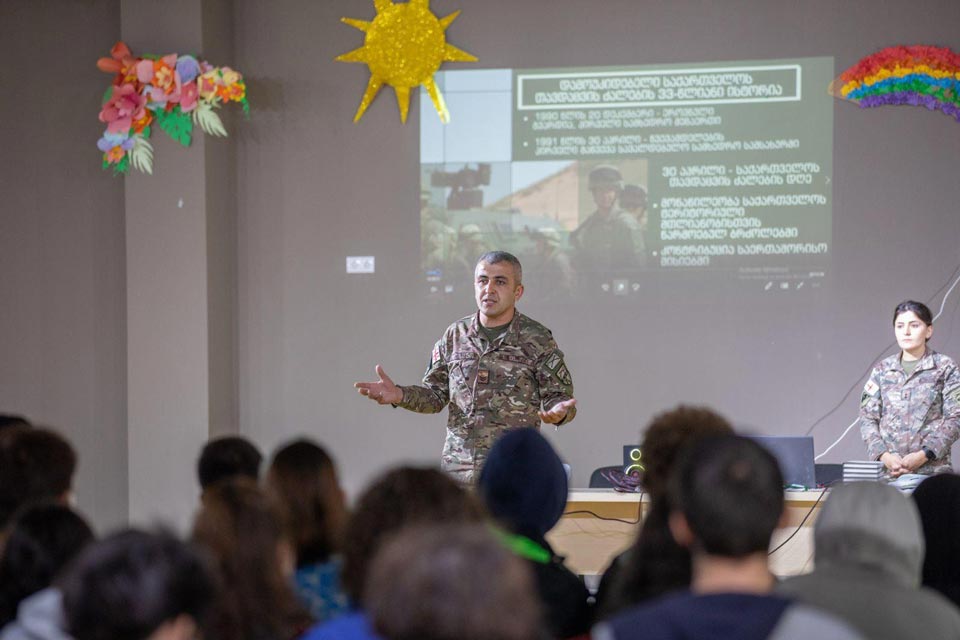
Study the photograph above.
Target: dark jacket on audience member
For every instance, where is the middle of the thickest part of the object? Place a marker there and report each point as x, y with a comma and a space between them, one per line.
868, 549
722, 616
938, 499
524, 486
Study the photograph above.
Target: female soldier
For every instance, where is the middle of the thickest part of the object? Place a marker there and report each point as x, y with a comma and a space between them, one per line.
910, 408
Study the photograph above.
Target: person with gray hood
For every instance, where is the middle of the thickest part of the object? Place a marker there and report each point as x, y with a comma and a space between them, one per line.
868, 546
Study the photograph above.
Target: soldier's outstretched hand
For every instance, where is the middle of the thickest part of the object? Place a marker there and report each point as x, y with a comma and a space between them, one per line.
558, 412
384, 391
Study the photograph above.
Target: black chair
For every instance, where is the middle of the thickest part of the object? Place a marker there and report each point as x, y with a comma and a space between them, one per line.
598, 481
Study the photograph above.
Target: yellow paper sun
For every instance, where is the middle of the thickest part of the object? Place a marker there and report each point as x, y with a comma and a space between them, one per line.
404, 46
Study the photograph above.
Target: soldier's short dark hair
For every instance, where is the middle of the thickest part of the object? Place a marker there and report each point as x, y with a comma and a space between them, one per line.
493, 257
922, 311
730, 490
228, 457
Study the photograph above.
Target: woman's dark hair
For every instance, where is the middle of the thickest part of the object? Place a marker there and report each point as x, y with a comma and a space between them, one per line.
303, 479
655, 564
36, 464
938, 500
129, 584
922, 311
241, 528
451, 582
43, 538
399, 498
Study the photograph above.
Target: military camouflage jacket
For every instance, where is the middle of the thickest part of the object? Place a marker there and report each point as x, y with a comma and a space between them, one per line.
902, 414
489, 388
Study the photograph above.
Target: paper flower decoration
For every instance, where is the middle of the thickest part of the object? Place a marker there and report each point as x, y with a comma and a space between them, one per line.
918, 75
404, 46
175, 92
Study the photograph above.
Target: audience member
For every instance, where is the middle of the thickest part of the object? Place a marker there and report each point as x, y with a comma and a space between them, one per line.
451, 582
303, 478
655, 564
402, 497
868, 547
524, 486
242, 529
726, 500
137, 586
36, 464
8, 420
43, 539
938, 500
228, 457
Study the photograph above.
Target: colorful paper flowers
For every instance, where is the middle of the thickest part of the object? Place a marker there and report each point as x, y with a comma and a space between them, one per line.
918, 76
404, 46
176, 92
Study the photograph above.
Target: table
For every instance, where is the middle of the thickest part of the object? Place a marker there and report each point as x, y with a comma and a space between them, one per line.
589, 541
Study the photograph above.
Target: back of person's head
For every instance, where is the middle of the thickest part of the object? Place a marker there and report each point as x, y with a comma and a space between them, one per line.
401, 497
523, 483
36, 464
131, 584
303, 478
228, 457
870, 525
43, 538
8, 420
666, 437
451, 582
938, 500
242, 529
729, 490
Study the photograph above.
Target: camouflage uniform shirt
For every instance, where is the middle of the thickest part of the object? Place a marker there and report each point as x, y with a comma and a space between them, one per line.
903, 414
489, 388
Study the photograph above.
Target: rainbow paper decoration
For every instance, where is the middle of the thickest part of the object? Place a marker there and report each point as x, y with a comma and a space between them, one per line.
913, 75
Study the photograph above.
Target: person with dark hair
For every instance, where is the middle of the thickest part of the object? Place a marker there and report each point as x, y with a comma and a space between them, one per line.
402, 497
8, 420
36, 464
726, 500
136, 585
938, 501
43, 538
910, 407
524, 487
242, 529
655, 564
303, 479
417, 588
228, 457
495, 370
868, 552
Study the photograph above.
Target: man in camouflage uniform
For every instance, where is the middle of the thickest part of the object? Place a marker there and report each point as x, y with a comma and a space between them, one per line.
609, 239
914, 416
495, 370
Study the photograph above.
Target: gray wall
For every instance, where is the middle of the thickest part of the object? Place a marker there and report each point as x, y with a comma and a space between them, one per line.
312, 187
62, 319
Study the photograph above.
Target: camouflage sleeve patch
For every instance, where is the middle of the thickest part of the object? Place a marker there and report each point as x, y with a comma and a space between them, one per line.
870, 390
564, 375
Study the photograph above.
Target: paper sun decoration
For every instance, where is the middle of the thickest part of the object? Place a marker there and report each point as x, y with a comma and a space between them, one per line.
404, 46
175, 92
918, 75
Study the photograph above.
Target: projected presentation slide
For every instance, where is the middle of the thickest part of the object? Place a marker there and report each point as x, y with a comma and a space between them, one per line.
601, 179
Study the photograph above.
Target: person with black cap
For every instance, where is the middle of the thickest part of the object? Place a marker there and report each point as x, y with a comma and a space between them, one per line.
524, 486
